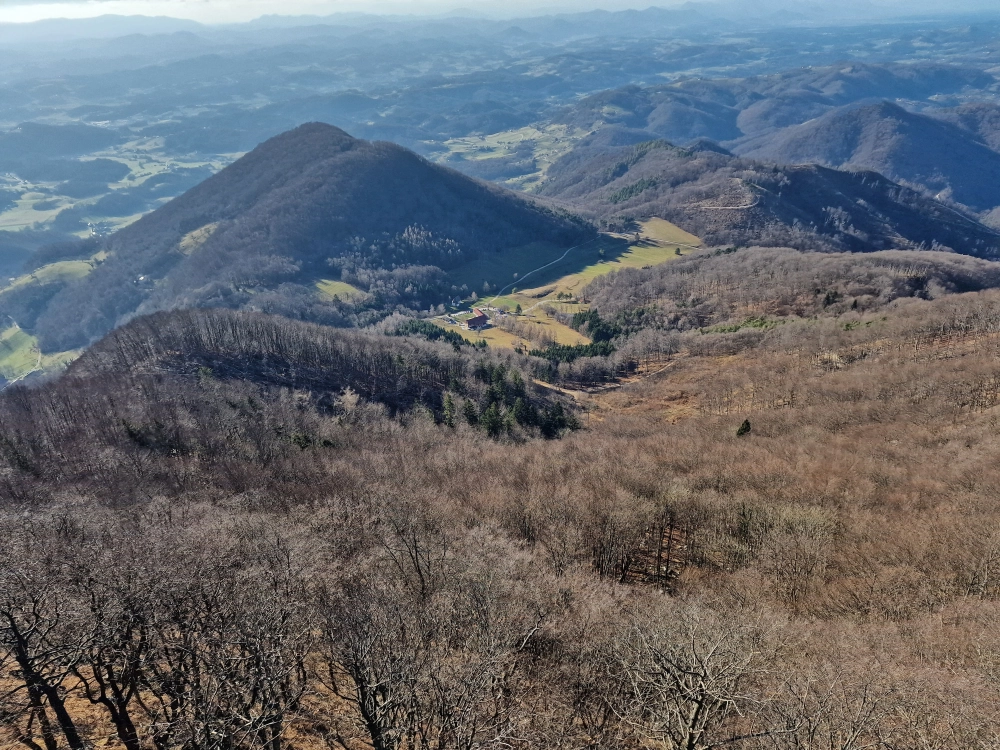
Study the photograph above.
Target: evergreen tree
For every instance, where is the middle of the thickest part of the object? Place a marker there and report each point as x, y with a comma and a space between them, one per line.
449, 410
517, 385
469, 410
492, 421
520, 411
744, 428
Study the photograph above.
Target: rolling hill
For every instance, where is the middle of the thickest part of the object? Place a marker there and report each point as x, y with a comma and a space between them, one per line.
727, 199
270, 232
944, 159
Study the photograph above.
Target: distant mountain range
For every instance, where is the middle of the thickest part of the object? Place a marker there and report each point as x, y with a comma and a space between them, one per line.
728, 109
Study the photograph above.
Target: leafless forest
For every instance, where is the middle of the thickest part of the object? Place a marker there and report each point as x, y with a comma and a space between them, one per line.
232, 531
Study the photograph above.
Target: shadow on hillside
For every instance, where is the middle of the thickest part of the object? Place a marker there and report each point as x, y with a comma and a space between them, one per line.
512, 266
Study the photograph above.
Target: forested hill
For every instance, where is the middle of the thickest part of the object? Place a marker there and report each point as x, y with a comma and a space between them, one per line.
726, 199
203, 388
268, 351
311, 204
940, 157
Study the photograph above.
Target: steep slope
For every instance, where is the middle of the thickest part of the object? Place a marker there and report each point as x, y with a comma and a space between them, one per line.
308, 205
726, 199
980, 119
942, 158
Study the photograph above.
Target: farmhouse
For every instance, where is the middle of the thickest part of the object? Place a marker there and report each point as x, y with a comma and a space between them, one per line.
477, 321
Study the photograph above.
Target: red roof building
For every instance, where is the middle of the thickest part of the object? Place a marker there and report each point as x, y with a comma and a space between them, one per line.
479, 320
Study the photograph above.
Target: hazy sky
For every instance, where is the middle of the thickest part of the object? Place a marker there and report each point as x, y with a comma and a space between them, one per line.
221, 11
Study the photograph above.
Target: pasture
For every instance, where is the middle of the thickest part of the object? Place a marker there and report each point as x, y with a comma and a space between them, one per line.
554, 278
330, 289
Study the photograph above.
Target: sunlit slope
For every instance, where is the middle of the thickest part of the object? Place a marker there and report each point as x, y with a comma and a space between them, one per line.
556, 282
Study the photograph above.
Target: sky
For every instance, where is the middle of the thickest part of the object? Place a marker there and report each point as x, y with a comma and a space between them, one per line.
232, 11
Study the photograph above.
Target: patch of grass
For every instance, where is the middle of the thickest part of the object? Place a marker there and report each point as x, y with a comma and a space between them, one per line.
145, 159
65, 270
193, 240
18, 353
541, 326
59, 360
508, 302
339, 289
660, 244
561, 333
499, 268
663, 231
494, 337
24, 214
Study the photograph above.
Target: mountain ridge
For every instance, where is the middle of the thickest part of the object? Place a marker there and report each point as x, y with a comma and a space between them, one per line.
727, 199
942, 158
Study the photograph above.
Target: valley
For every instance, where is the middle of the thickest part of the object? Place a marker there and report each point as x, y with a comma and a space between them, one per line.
561, 287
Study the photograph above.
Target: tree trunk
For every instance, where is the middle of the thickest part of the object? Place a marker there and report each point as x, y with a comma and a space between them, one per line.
36, 682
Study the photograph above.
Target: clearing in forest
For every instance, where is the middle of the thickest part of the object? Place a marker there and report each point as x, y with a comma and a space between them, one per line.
330, 289
193, 240
554, 278
64, 270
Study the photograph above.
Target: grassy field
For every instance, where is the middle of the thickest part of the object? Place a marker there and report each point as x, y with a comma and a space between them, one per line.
59, 360
663, 231
559, 285
560, 333
340, 289
506, 267
513, 270
193, 240
499, 338
19, 355
143, 157
65, 270
24, 215
660, 242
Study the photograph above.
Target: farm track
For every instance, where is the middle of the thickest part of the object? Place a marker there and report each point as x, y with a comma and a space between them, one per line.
562, 257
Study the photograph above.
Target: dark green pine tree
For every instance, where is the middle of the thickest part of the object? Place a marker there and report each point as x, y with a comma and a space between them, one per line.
744, 428
449, 410
469, 410
520, 411
491, 421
